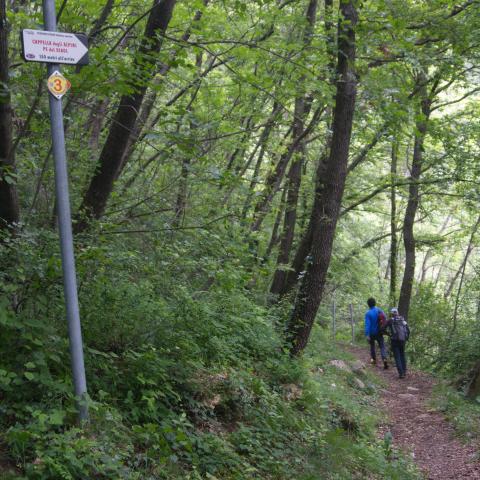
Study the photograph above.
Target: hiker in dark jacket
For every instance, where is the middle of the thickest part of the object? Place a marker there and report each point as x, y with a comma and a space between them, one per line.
373, 332
399, 333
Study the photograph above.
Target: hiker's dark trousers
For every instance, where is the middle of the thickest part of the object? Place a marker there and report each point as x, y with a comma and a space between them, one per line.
379, 339
398, 349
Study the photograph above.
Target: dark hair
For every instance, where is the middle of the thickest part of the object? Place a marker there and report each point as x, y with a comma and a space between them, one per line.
371, 302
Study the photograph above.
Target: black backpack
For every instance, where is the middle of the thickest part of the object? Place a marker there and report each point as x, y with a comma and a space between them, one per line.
399, 329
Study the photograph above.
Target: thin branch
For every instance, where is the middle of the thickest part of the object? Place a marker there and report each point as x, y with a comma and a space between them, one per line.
362, 155
387, 186
171, 229
452, 102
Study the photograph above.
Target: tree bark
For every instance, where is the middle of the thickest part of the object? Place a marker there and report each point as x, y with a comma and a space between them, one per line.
246, 124
95, 123
473, 387
328, 195
462, 275
276, 225
393, 226
263, 141
289, 223
274, 180
111, 157
293, 274
430, 252
294, 176
181, 202
413, 199
464, 261
9, 208
100, 21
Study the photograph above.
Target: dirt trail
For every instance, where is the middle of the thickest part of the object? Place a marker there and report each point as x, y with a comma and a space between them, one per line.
421, 432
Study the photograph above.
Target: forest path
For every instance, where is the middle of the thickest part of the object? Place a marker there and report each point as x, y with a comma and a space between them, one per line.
417, 429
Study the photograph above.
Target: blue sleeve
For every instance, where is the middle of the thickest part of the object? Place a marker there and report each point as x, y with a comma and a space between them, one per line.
367, 325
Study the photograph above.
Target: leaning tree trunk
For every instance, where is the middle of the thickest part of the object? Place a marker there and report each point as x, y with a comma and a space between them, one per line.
289, 223
295, 173
280, 289
329, 192
262, 147
142, 124
9, 209
276, 225
275, 178
413, 200
116, 144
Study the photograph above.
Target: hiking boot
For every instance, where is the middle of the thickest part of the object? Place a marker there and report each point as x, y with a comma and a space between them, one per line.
402, 375
373, 361
385, 365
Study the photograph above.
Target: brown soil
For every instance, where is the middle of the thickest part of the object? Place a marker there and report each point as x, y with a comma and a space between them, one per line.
422, 432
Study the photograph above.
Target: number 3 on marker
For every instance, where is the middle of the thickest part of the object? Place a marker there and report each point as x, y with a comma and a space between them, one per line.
58, 85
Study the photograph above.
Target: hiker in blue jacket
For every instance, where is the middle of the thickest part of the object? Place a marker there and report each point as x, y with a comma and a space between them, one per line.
374, 333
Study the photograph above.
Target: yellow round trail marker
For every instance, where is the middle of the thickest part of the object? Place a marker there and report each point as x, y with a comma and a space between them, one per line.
57, 84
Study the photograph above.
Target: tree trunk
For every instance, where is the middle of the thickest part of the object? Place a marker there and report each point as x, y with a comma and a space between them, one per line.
464, 261
473, 387
276, 225
393, 226
239, 151
328, 195
142, 123
293, 274
462, 275
9, 209
181, 202
111, 157
430, 252
413, 200
295, 173
293, 188
258, 164
274, 180
95, 123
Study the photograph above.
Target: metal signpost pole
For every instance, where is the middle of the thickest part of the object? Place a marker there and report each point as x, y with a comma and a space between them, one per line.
65, 229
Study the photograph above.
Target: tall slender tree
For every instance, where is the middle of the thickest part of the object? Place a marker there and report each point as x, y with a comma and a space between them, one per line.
424, 109
116, 144
393, 224
329, 191
9, 208
294, 176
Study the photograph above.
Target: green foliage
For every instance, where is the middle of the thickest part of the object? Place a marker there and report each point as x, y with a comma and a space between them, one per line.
463, 413
430, 326
180, 388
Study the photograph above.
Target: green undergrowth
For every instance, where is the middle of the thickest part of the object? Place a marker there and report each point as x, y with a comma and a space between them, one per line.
188, 378
463, 413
